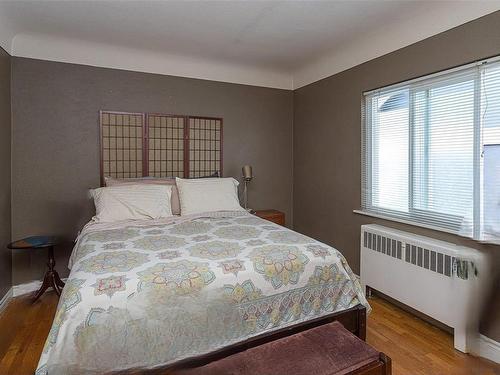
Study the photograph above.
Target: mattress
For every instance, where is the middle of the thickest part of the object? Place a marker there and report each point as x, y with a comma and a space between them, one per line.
145, 294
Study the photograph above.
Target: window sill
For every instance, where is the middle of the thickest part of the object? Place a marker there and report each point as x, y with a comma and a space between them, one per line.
407, 222
493, 241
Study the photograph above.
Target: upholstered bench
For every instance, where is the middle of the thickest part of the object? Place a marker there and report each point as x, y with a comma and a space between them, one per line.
325, 350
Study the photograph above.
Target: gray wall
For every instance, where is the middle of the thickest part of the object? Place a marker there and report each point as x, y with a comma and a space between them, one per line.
327, 125
55, 141
5, 220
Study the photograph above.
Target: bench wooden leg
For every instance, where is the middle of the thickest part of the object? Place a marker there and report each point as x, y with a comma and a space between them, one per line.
387, 364
361, 323
381, 367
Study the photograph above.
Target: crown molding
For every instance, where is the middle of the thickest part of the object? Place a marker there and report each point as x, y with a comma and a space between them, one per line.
382, 41
57, 49
391, 38
6, 35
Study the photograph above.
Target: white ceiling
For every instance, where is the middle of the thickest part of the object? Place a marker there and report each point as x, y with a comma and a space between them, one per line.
284, 44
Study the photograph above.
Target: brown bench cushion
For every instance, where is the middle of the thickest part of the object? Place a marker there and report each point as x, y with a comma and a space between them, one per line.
325, 350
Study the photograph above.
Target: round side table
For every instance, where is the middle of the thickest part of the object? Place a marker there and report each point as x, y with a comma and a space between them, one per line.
51, 278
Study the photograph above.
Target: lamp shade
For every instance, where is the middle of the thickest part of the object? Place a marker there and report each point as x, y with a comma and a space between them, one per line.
247, 172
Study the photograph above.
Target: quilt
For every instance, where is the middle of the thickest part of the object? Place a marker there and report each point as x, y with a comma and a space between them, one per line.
144, 294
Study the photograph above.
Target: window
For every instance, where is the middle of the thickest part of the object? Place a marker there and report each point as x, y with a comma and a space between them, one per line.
431, 151
159, 145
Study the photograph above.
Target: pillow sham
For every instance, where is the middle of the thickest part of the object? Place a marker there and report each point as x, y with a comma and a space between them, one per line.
208, 194
174, 200
131, 202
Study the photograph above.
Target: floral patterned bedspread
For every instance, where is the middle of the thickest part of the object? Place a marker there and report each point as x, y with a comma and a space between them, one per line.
146, 294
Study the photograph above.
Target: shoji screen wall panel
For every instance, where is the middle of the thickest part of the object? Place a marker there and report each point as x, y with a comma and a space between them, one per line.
159, 145
122, 144
165, 145
205, 146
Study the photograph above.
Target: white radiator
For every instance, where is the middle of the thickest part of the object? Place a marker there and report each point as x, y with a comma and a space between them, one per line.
442, 280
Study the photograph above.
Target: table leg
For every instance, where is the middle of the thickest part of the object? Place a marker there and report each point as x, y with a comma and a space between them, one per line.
51, 278
58, 280
45, 284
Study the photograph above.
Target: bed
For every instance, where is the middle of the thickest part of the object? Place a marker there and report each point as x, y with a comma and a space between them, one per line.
155, 294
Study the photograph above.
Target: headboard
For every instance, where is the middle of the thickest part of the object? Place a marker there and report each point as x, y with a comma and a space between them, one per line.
159, 145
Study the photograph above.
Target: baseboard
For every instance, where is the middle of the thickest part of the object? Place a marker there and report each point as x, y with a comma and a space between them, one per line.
412, 311
487, 348
32, 286
21, 289
6, 299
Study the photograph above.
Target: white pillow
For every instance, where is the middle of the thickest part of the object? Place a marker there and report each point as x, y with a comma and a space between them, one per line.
132, 202
174, 201
208, 194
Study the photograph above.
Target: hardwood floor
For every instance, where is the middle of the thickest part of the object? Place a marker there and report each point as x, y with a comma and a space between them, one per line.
23, 328
416, 347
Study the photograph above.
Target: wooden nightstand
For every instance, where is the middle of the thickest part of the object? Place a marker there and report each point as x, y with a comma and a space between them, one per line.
275, 216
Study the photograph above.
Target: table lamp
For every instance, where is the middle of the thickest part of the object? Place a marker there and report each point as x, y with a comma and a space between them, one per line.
247, 177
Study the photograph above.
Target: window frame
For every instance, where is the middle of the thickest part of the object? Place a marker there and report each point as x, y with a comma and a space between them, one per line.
367, 138
415, 212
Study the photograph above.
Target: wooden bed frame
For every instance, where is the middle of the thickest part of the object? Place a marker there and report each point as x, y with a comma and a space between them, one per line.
353, 319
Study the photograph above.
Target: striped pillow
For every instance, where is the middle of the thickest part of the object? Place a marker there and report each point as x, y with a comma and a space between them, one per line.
174, 201
132, 202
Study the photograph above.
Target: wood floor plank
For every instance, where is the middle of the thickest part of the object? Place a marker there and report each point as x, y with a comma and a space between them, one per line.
26, 325
416, 347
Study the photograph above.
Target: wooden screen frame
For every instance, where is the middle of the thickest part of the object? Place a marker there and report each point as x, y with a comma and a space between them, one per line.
145, 139
186, 135
101, 133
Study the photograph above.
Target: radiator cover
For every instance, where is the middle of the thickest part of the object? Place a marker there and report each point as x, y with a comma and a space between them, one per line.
440, 279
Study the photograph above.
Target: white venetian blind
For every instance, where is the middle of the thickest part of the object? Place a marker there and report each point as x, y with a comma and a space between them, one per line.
431, 151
